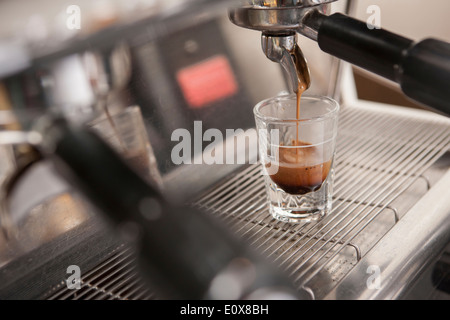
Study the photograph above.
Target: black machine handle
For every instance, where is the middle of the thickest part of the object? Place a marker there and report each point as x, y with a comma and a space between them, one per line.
180, 249
422, 69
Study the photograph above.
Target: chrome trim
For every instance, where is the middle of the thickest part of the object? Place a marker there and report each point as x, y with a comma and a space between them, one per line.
403, 253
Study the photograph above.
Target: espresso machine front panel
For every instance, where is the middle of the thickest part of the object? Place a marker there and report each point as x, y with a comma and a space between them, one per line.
190, 76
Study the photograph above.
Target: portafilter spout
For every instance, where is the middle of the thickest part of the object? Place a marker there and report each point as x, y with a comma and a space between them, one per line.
284, 50
279, 21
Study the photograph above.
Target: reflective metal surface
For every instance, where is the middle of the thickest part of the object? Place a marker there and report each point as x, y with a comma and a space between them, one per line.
284, 50
391, 170
384, 164
399, 259
278, 17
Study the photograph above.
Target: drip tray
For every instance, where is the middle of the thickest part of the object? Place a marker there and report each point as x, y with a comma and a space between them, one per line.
385, 163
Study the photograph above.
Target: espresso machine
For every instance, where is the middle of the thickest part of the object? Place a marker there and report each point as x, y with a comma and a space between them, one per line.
199, 231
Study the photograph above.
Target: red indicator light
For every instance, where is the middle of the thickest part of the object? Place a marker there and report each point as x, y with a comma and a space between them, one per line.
206, 82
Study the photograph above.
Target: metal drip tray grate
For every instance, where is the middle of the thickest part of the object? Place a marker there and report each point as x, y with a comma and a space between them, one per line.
380, 164
383, 166
117, 278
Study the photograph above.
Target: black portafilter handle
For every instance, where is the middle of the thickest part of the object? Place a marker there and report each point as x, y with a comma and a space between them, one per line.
421, 69
184, 252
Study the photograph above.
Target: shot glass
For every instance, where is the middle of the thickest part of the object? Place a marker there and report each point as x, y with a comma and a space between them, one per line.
297, 155
125, 132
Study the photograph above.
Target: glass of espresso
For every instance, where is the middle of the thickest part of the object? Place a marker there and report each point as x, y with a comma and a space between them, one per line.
297, 139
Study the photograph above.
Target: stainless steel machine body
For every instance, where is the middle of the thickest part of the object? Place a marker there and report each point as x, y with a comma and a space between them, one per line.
390, 184
389, 227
